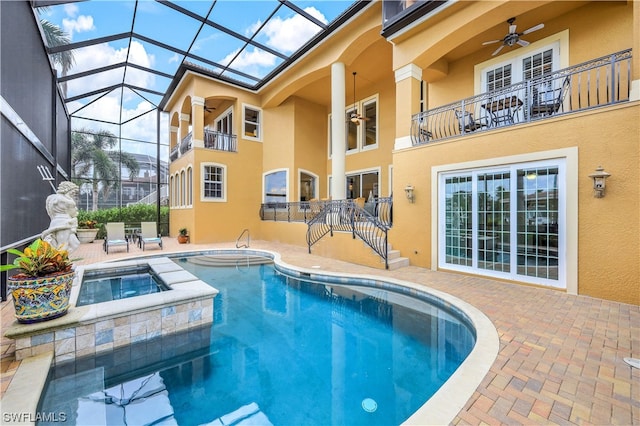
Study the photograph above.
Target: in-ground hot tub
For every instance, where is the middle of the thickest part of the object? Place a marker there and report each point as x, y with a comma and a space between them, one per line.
104, 285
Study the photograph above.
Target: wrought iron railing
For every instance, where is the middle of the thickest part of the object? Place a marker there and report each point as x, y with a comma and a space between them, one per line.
596, 83
186, 143
220, 141
370, 222
173, 155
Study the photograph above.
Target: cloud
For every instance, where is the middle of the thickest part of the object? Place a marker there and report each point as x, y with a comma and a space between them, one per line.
288, 35
81, 24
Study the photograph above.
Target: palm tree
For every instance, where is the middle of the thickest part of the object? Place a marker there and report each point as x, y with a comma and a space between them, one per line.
56, 36
93, 159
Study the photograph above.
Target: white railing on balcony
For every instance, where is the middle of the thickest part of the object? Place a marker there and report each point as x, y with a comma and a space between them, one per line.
596, 83
186, 143
220, 141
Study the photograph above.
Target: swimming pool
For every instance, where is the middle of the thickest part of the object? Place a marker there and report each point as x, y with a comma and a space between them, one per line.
276, 354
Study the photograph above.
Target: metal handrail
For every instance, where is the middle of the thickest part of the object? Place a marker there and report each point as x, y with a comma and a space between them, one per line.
186, 143
220, 141
244, 231
345, 215
596, 83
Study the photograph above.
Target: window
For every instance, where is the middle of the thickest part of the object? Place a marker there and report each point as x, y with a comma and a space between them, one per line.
361, 134
505, 222
224, 123
370, 124
362, 184
183, 184
213, 182
307, 186
189, 186
275, 187
252, 126
498, 78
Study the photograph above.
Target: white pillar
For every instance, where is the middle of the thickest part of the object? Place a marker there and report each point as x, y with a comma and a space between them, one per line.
338, 149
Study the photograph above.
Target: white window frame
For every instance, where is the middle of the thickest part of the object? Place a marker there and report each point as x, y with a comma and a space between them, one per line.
361, 172
315, 177
227, 114
567, 213
360, 133
259, 124
361, 127
205, 199
189, 185
287, 186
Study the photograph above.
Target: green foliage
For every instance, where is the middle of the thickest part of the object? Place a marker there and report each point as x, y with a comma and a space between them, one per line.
40, 259
183, 231
133, 214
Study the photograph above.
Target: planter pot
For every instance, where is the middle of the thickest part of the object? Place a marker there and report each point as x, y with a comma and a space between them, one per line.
86, 235
183, 239
40, 299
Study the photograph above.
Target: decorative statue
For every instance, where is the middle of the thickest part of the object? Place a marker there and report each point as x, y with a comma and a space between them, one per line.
62, 210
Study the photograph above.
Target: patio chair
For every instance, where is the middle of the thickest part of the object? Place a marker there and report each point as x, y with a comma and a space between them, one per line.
466, 122
149, 235
115, 236
548, 100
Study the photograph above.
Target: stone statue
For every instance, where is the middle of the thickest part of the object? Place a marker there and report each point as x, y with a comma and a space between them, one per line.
62, 210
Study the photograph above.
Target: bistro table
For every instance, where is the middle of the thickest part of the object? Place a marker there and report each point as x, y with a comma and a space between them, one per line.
503, 110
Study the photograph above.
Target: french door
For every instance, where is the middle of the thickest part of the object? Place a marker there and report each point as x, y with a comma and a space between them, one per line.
506, 222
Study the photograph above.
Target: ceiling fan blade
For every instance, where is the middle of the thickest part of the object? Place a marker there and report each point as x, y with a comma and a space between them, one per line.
512, 29
490, 42
523, 43
497, 50
532, 29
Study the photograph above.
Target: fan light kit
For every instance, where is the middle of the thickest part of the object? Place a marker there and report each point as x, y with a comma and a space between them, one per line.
512, 38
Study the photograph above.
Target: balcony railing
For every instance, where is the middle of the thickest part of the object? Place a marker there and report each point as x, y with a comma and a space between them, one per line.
186, 143
220, 141
173, 155
596, 83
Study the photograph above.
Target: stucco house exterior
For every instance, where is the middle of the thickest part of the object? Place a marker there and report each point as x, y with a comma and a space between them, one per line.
475, 140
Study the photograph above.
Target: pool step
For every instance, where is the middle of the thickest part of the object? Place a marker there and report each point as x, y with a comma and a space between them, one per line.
229, 260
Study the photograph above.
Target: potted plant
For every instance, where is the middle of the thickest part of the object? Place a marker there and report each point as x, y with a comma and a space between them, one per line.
183, 236
87, 231
42, 288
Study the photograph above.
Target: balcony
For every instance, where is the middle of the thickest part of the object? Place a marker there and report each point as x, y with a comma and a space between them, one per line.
212, 140
593, 84
220, 141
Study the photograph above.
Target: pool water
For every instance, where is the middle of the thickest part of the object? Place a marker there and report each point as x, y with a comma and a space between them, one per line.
106, 285
281, 351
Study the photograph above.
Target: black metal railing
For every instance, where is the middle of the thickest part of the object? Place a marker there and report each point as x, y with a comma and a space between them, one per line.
220, 141
173, 155
596, 83
186, 143
370, 222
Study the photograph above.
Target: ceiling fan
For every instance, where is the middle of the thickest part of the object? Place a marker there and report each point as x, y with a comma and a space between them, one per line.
208, 109
355, 117
513, 37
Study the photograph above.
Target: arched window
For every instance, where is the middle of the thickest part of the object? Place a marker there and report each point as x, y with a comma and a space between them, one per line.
189, 186
183, 192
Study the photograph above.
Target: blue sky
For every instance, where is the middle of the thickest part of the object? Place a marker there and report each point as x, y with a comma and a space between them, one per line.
284, 32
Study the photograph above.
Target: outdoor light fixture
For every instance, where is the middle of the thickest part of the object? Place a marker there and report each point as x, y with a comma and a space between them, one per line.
409, 191
599, 178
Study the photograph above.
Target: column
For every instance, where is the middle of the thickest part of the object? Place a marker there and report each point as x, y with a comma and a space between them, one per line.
408, 80
338, 149
197, 125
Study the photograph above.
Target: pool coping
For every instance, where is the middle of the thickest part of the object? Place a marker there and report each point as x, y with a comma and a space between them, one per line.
441, 408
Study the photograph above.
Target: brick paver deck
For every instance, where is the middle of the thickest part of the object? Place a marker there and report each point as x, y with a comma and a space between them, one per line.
560, 360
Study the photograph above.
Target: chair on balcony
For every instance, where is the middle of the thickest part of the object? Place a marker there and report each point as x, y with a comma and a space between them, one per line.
115, 236
466, 122
548, 100
149, 235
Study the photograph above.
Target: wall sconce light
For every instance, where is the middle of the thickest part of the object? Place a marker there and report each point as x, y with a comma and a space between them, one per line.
599, 178
408, 190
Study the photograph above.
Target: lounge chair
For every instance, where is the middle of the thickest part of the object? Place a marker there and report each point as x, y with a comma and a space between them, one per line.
466, 122
115, 236
149, 235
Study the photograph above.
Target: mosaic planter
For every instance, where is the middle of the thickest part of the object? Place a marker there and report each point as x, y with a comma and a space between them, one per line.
40, 299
